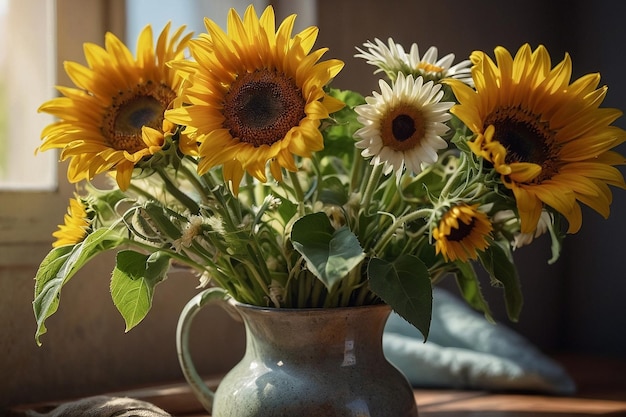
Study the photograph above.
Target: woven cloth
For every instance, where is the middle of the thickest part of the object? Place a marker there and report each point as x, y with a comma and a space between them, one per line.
104, 406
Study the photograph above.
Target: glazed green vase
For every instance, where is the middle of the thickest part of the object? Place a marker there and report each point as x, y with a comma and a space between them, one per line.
303, 362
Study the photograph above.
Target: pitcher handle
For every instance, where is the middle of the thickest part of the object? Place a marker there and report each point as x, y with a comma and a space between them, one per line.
197, 384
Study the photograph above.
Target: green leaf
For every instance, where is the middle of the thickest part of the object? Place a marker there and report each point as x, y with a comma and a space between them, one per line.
344, 125
333, 191
468, 283
59, 266
286, 210
405, 285
329, 254
283, 213
103, 202
157, 265
162, 217
133, 281
50, 266
498, 262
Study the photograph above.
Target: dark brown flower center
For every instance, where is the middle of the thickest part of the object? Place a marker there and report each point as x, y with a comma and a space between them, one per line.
403, 128
526, 138
262, 106
463, 231
132, 109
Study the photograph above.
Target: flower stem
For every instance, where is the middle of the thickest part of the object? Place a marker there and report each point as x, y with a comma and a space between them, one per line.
140, 191
193, 179
297, 187
356, 178
177, 193
251, 267
173, 254
371, 186
391, 230
460, 169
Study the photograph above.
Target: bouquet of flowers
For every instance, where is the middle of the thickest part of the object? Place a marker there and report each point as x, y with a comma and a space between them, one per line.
232, 155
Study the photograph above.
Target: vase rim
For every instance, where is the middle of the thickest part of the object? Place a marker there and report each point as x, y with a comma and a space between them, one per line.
292, 310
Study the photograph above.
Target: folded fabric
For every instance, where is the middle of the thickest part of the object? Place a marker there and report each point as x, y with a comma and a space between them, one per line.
465, 351
104, 406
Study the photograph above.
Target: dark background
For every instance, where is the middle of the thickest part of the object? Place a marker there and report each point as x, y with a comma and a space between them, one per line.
577, 304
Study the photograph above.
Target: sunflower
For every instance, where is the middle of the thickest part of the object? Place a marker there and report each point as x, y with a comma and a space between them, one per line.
392, 59
255, 96
115, 116
549, 139
75, 227
403, 124
462, 231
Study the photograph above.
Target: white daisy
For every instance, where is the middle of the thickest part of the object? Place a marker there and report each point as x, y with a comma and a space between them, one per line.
392, 59
429, 67
509, 219
545, 222
403, 124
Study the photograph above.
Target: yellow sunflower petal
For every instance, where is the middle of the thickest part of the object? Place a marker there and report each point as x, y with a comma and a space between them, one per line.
462, 240
524, 171
76, 224
123, 175
601, 202
152, 137
332, 104
529, 208
233, 174
307, 38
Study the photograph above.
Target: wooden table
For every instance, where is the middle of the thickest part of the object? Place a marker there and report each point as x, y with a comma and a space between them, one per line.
601, 383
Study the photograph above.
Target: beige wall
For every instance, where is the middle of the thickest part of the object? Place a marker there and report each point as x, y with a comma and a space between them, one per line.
86, 351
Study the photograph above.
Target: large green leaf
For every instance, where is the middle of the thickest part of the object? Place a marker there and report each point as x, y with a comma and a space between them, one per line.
498, 262
405, 285
330, 254
468, 283
59, 266
133, 281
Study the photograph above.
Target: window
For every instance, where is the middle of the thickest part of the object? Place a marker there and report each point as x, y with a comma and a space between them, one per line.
27, 76
30, 213
159, 12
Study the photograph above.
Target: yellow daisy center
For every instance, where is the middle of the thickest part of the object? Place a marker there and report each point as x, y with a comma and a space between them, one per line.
428, 67
526, 138
403, 128
262, 106
132, 109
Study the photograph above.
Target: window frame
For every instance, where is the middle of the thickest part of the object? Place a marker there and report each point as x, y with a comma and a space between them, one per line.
28, 218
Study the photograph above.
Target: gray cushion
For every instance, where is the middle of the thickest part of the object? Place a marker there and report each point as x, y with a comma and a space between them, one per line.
465, 351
